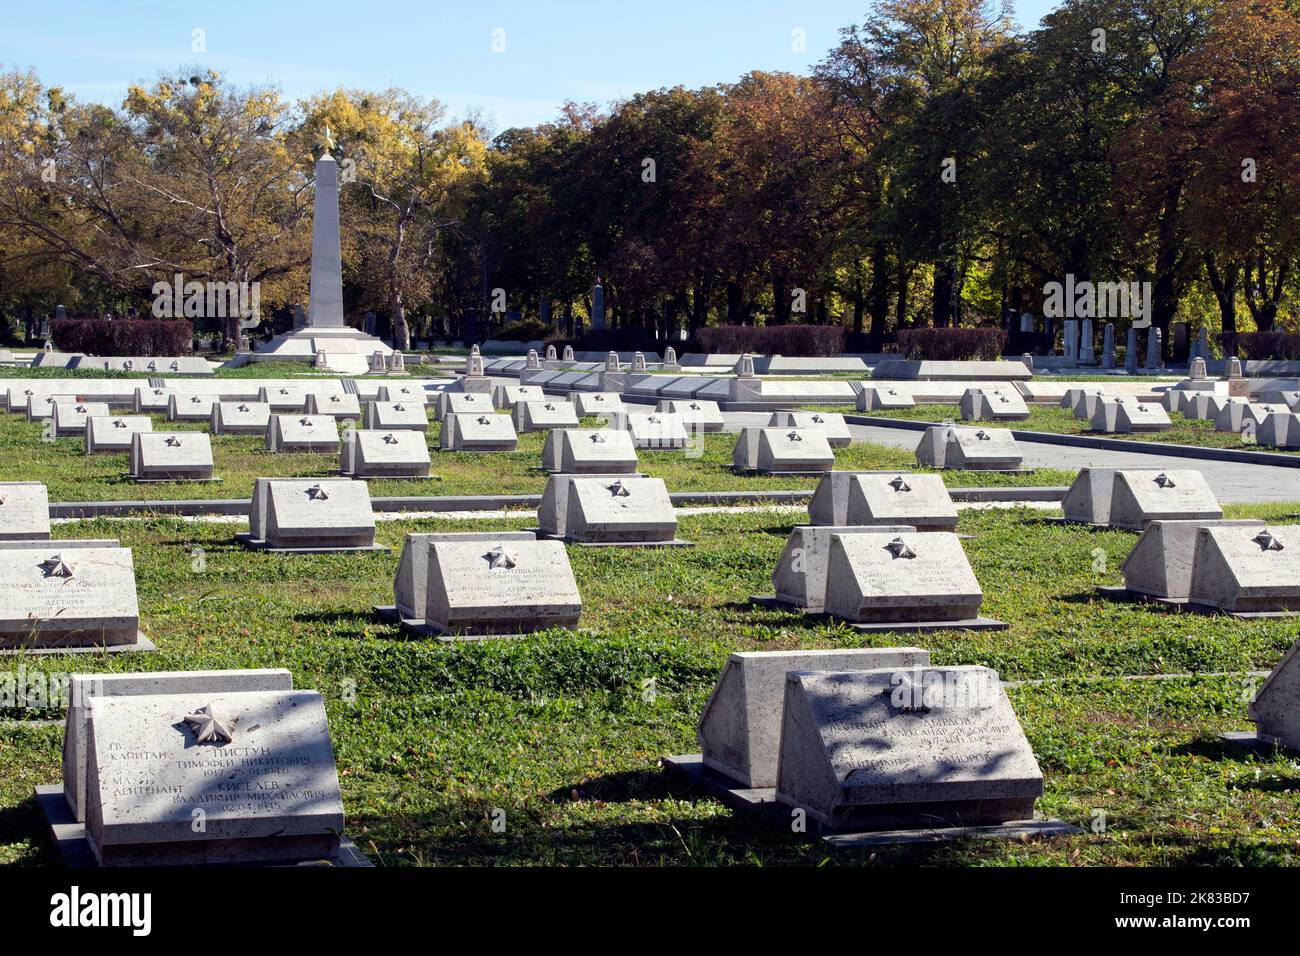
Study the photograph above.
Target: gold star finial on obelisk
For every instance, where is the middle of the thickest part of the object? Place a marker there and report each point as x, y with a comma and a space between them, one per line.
326, 139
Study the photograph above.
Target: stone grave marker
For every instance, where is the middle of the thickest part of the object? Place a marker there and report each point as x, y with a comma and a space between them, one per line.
799, 578
344, 407
832, 423
854, 498
311, 433
1247, 570
740, 729
880, 397
992, 405
369, 453
1276, 707
589, 451
24, 512
478, 432
1160, 565
1279, 430
69, 418
506, 397
860, 751
240, 418
773, 451
1129, 498
152, 400
190, 408
410, 582
284, 399
391, 415
463, 403
1120, 415
414, 394
536, 416
660, 431
111, 434
698, 415
597, 403
57, 598
611, 509
171, 456
310, 515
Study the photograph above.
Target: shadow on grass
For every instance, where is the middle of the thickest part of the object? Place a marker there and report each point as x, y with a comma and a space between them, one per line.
24, 823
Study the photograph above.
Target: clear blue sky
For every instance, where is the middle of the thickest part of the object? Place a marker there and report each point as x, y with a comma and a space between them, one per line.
554, 51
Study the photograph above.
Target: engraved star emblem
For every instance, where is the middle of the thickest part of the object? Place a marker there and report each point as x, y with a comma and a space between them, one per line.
80, 409
618, 490
157, 391
243, 408
483, 420
1164, 481
652, 420
57, 567
195, 399
317, 493
284, 391
794, 436
598, 398
898, 484
1267, 542
549, 407
305, 422
211, 725
118, 423
390, 439
334, 398
899, 549
693, 407
173, 442
818, 419
982, 435
499, 557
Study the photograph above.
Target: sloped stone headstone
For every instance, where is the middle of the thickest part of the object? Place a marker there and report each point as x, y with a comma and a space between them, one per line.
477, 432
740, 729
155, 400
24, 511
1279, 430
505, 397
883, 398
832, 423
800, 576
917, 576
69, 418
589, 451
111, 434
535, 416
410, 582
311, 514
189, 408
992, 404
463, 403
698, 415
1121, 415
597, 403
623, 509
1247, 570
783, 451
1142, 496
380, 453
284, 399
240, 418
859, 750
660, 431
1276, 707
1160, 564
171, 456
876, 498
343, 407
392, 415
310, 433
67, 598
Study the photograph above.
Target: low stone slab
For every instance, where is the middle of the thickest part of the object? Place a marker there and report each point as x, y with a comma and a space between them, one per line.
412, 394
69, 418
283, 399
800, 576
394, 415
589, 451
73, 598
860, 750
463, 403
377, 453
310, 433
992, 405
240, 418
310, 515
615, 509
783, 451
1279, 431
411, 582
1276, 707
344, 407
660, 431
850, 498
478, 432
152, 400
257, 767
1129, 498
1244, 418
832, 423
740, 729
190, 408
873, 398
40, 407
24, 512
536, 416
506, 397
969, 449
1160, 564
885, 578
1121, 415
171, 456
111, 434
1247, 570
697, 414
597, 403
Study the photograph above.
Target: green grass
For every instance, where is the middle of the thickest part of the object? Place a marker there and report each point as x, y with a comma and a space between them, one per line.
559, 730
238, 460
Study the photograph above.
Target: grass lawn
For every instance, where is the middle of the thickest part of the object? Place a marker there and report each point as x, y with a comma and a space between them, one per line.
71, 475
563, 731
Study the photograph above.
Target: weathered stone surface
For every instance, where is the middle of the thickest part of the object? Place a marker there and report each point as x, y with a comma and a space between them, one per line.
52, 597
343, 407
1279, 431
284, 399
778, 450
589, 451
411, 581
82, 688
850, 498
1276, 707
41, 406
913, 576
393, 415
535, 416
69, 418
800, 574
880, 749
24, 511
499, 587
311, 514
477, 432
288, 433
190, 408
240, 418
371, 453
410, 393
1120, 415
463, 403
970, 449
1247, 569
111, 434
1129, 498
740, 729
832, 423
155, 400
883, 397
992, 404
1160, 564
662, 431
612, 508
506, 397
597, 403
1243, 417
171, 456
148, 774
698, 415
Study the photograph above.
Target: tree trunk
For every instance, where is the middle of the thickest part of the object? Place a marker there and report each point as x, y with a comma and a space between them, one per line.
1224, 285
879, 295
942, 286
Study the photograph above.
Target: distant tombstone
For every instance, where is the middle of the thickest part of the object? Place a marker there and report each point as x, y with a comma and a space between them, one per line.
277, 746
1130, 351
590, 404
310, 515
1237, 416
532, 361
992, 404
1198, 371
24, 512
550, 353
610, 509
1087, 343
240, 418
1160, 564
568, 353
505, 397
1119, 415
861, 751
1108, 346
661, 431
1130, 498
745, 367
846, 498
1276, 707
397, 362
1247, 570
534, 416
283, 398
462, 403
382, 453
772, 451
154, 400
800, 576
68, 598
471, 432
1081, 402
69, 418
1028, 361
604, 451
346, 406
699, 415
480, 587
297, 433
1155, 355
1279, 430
111, 435
740, 729
189, 408
670, 360
969, 449
377, 365
831, 423
611, 362
396, 415
171, 456
638, 362
883, 398
1234, 368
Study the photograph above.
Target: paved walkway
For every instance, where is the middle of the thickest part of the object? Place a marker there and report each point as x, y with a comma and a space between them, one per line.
1231, 481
